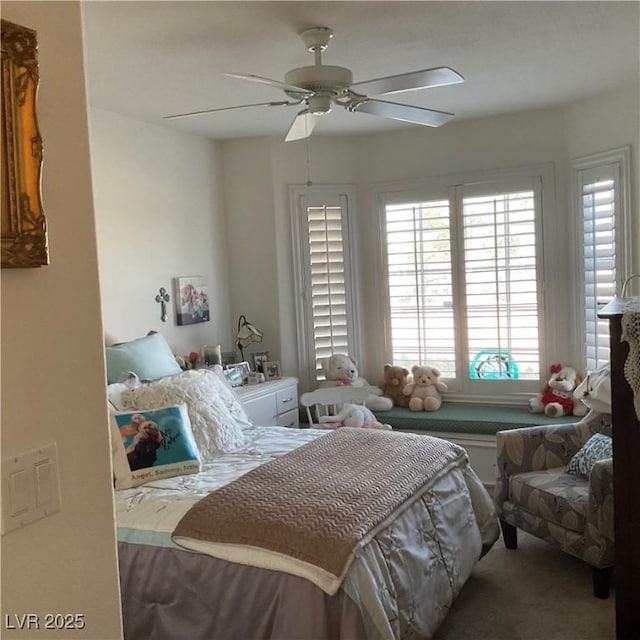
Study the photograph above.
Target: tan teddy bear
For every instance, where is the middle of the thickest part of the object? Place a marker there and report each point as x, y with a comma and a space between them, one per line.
395, 380
424, 390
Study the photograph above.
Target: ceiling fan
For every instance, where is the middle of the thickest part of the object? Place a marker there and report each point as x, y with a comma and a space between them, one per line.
320, 86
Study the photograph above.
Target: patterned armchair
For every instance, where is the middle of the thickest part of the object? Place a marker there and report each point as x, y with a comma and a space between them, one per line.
533, 493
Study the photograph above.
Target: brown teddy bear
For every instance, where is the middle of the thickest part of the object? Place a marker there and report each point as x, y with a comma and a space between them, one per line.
395, 380
424, 390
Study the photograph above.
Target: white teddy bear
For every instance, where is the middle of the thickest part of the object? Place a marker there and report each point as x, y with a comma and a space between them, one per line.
353, 415
340, 369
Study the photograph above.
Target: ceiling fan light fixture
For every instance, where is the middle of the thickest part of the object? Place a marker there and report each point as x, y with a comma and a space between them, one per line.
319, 105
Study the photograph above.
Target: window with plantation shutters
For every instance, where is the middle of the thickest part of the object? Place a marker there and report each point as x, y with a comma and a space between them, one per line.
420, 287
327, 286
463, 275
599, 241
500, 285
324, 277
599, 194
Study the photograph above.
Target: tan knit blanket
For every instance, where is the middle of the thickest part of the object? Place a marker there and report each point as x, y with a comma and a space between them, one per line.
312, 507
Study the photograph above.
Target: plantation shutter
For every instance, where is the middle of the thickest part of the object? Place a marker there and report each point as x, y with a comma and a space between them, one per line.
467, 302
418, 247
325, 271
500, 281
599, 203
327, 281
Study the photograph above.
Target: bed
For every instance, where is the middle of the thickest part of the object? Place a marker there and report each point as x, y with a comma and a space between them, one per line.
399, 579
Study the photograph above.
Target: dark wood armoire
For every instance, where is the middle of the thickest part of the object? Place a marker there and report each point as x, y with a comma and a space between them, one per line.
626, 479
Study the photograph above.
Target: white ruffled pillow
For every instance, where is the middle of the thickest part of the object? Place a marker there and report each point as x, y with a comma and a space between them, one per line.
216, 415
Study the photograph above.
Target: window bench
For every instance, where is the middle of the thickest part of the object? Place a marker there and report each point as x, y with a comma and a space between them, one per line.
466, 418
473, 427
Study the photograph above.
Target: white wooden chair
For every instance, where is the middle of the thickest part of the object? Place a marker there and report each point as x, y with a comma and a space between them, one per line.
328, 401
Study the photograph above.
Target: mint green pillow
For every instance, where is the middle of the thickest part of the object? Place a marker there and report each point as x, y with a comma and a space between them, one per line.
149, 358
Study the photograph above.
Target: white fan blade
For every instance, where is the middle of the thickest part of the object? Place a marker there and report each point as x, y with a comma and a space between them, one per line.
302, 126
280, 103
424, 79
405, 112
272, 83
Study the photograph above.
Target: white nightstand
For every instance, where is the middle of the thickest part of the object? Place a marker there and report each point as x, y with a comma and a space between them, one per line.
271, 403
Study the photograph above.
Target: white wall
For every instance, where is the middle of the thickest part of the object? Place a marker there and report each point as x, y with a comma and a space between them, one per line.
159, 211
251, 237
53, 382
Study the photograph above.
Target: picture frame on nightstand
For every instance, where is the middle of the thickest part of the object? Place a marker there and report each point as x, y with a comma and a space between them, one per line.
212, 355
234, 376
271, 370
259, 358
242, 368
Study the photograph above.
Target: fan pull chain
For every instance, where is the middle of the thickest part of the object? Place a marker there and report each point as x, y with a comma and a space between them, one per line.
309, 183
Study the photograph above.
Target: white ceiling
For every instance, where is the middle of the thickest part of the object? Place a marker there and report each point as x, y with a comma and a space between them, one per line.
152, 59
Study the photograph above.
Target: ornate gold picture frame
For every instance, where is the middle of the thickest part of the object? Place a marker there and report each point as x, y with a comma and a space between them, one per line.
24, 229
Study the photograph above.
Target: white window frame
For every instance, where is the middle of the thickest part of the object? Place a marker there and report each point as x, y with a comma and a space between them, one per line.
622, 221
301, 197
503, 184
444, 187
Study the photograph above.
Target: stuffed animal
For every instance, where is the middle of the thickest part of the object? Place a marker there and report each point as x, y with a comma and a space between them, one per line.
557, 397
595, 390
353, 415
395, 380
340, 369
424, 390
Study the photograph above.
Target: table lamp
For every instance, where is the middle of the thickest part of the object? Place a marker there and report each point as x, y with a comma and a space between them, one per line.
246, 334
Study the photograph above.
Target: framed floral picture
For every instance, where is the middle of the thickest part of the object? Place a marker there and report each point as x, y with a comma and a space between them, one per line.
192, 300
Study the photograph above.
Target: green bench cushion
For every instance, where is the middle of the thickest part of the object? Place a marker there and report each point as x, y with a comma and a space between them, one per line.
466, 418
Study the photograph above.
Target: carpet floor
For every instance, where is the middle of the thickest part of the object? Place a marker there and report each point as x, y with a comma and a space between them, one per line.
536, 592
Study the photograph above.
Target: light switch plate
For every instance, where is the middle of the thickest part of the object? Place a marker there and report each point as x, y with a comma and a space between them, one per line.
30, 487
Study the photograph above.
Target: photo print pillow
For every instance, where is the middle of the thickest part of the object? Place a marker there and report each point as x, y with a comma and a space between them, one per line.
151, 445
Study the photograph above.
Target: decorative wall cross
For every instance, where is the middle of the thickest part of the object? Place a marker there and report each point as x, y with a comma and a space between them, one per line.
163, 298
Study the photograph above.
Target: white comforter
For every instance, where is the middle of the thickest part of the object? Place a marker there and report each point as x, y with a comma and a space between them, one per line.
403, 581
